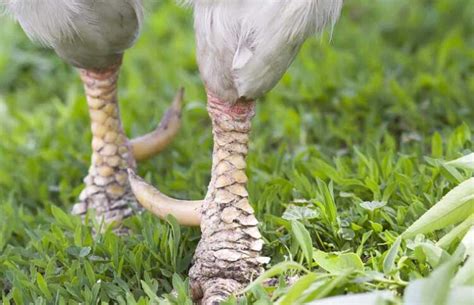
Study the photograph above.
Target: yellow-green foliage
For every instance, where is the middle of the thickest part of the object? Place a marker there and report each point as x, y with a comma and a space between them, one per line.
349, 150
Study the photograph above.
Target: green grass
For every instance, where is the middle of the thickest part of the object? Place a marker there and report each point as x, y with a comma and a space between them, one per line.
346, 152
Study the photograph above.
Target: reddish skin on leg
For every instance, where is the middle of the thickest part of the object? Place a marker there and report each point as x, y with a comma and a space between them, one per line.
228, 255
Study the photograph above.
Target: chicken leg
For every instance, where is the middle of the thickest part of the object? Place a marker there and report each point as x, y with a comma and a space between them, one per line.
107, 189
228, 254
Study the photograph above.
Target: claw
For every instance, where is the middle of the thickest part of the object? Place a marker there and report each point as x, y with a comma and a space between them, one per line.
186, 212
147, 146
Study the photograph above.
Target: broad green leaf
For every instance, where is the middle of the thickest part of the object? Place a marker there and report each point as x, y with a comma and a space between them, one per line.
130, 299
89, 272
433, 290
370, 298
465, 275
303, 238
85, 251
329, 204
454, 207
294, 212
181, 290
64, 219
149, 292
437, 145
338, 262
434, 254
297, 290
389, 260
78, 251
43, 286
466, 246
376, 226
324, 288
276, 270
461, 296
372, 205
466, 162
17, 296
457, 233
451, 173
108, 288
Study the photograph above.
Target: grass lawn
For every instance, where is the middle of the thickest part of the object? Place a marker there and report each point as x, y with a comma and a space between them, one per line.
346, 153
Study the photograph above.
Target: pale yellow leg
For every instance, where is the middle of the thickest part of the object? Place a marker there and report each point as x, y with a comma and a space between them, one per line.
107, 189
228, 254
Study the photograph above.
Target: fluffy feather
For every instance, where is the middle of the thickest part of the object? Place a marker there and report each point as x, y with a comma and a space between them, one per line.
86, 33
47, 21
245, 46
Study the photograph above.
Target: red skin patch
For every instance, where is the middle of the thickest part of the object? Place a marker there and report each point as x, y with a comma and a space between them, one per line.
240, 109
101, 74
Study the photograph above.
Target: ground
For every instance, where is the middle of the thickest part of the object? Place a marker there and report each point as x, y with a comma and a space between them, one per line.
345, 154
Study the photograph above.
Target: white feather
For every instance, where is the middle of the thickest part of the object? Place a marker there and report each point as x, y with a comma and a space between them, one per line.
245, 46
86, 33
47, 21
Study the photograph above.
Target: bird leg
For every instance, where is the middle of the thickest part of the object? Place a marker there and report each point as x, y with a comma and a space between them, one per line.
228, 254
107, 189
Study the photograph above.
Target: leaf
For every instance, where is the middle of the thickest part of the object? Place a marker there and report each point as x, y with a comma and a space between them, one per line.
338, 263
437, 145
389, 260
63, 219
276, 270
433, 290
376, 226
329, 204
43, 286
371, 298
149, 292
372, 205
179, 285
451, 173
325, 288
454, 207
85, 251
466, 162
434, 254
465, 275
303, 238
78, 251
89, 272
457, 233
17, 296
461, 295
294, 212
297, 289
466, 246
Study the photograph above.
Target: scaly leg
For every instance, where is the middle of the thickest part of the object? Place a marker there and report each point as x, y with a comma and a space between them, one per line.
228, 255
107, 189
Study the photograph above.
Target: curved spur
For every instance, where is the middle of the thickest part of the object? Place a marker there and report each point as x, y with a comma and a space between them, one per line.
187, 212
